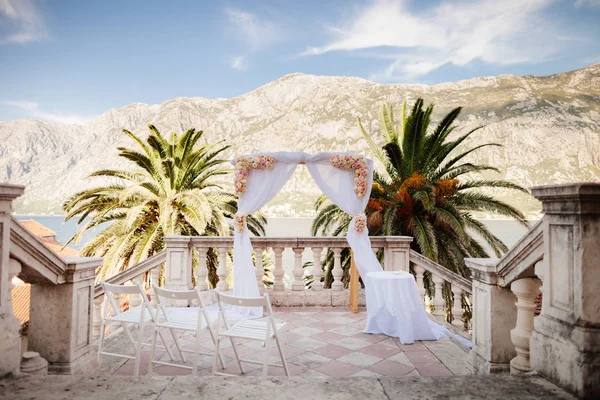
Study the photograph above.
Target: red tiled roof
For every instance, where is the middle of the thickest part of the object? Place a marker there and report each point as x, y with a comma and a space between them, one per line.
20, 301
38, 229
59, 249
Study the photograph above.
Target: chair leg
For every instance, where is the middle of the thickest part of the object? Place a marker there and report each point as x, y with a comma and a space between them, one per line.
196, 353
138, 351
266, 363
102, 328
212, 335
129, 334
162, 338
237, 357
152, 350
178, 345
283, 361
217, 346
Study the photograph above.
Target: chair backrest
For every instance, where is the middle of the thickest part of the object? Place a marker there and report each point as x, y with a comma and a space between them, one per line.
110, 289
243, 301
166, 294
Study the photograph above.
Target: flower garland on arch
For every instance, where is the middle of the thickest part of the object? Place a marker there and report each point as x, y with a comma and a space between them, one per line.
360, 167
240, 223
243, 165
360, 223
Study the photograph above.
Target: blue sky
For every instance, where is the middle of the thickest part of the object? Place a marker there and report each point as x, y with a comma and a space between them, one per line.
68, 61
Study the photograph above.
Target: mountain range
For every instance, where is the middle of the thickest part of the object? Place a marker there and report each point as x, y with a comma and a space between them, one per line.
549, 128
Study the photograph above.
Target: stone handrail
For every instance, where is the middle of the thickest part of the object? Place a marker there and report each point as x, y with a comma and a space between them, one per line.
437, 269
522, 256
133, 272
28, 249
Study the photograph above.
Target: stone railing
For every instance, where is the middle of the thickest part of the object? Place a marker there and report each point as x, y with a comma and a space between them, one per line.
562, 252
60, 320
460, 287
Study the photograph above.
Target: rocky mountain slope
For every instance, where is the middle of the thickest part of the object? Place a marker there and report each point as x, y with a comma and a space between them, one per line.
549, 128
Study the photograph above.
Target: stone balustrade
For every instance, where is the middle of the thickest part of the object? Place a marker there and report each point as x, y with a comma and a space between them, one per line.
559, 257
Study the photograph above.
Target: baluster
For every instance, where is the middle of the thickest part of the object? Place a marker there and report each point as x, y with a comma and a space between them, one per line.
337, 272
154, 276
222, 270
317, 271
259, 270
526, 290
419, 272
298, 271
457, 310
201, 272
135, 300
278, 273
438, 300
98, 303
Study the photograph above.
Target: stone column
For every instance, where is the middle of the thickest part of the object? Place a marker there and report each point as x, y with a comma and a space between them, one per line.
317, 271
337, 272
298, 271
565, 342
278, 271
10, 342
438, 297
178, 268
526, 290
493, 317
201, 272
222, 285
259, 270
61, 321
396, 253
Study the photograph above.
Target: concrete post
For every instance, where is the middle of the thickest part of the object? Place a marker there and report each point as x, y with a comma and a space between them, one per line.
493, 317
396, 253
565, 342
10, 342
61, 323
526, 290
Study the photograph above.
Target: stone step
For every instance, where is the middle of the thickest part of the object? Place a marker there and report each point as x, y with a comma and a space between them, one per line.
205, 387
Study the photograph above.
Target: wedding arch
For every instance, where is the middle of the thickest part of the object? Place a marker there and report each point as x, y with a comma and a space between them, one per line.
346, 179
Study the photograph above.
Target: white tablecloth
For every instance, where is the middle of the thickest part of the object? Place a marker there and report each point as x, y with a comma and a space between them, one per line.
396, 309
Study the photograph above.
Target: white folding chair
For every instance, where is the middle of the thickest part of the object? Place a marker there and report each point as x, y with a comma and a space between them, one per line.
139, 316
264, 330
189, 321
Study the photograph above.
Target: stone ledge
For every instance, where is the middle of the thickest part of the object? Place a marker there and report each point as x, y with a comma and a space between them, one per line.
168, 387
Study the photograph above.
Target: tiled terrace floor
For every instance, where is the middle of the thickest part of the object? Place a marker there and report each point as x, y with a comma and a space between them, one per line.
323, 343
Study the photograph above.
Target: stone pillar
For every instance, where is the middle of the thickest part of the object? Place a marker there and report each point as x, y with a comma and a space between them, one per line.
438, 298
61, 321
10, 342
317, 271
337, 272
222, 285
178, 270
457, 310
565, 342
396, 253
278, 271
493, 317
526, 290
201, 272
298, 271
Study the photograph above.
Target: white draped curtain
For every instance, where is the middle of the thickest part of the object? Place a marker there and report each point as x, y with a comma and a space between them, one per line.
262, 186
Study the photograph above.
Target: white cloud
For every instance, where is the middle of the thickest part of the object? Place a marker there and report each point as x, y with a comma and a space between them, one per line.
452, 32
256, 33
239, 63
34, 111
21, 22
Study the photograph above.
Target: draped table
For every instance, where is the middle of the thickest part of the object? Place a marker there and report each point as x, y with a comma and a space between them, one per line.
396, 309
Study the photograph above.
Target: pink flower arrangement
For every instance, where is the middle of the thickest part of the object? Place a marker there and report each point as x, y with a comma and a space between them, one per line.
240, 223
360, 167
242, 167
360, 223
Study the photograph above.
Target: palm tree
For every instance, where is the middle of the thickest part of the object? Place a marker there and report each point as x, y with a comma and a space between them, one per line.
174, 190
426, 189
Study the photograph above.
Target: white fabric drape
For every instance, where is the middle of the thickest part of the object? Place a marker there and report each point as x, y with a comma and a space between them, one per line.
338, 186
261, 187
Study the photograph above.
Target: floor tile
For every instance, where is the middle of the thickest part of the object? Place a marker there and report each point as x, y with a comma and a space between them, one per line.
309, 360
370, 337
401, 358
307, 344
422, 357
380, 351
366, 372
325, 325
345, 330
417, 346
332, 351
337, 369
359, 359
390, 368
306, 330
330, 337
352, 343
